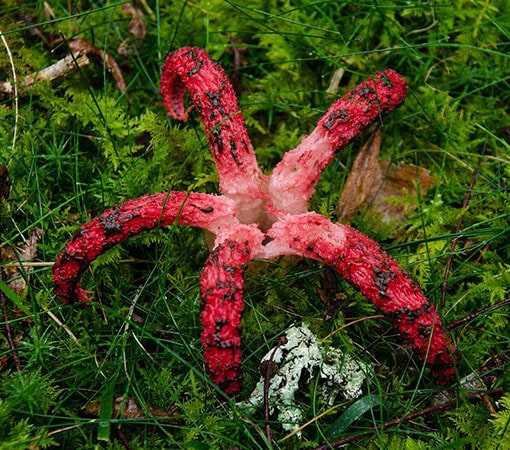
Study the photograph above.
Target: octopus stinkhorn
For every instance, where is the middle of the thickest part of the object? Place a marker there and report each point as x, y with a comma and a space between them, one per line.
263, 216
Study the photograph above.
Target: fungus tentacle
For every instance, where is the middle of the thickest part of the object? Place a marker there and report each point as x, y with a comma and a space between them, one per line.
213, 96
293, 180
364, 264
222, 282
128, 219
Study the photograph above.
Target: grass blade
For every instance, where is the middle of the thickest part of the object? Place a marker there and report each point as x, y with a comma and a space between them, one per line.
353, 413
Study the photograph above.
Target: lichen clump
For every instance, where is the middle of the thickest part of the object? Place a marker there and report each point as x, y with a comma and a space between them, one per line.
301, 358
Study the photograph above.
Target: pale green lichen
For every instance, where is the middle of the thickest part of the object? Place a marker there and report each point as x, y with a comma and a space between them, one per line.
299, 359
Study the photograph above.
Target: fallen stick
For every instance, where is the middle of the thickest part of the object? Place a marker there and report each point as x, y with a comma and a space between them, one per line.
54, 73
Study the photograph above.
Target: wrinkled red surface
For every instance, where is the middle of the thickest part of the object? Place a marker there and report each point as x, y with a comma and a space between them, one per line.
261, 216
222, 282
128, 219
191, 69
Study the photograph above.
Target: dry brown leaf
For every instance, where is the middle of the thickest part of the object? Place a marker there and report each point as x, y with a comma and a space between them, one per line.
137, 27
128, 408
14, 275
77, 45
361, 180
379, 184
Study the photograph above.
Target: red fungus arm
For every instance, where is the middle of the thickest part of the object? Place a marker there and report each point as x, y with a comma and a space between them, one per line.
222, 283
191, 69
129, 219
293, 180
377, 275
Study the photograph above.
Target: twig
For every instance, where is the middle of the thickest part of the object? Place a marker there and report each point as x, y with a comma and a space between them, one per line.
51, 264
268, 369
78, 45
122, 437
335, 81
361, 319
63, 325
453, 244
422, 30
470, 317
54, 73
